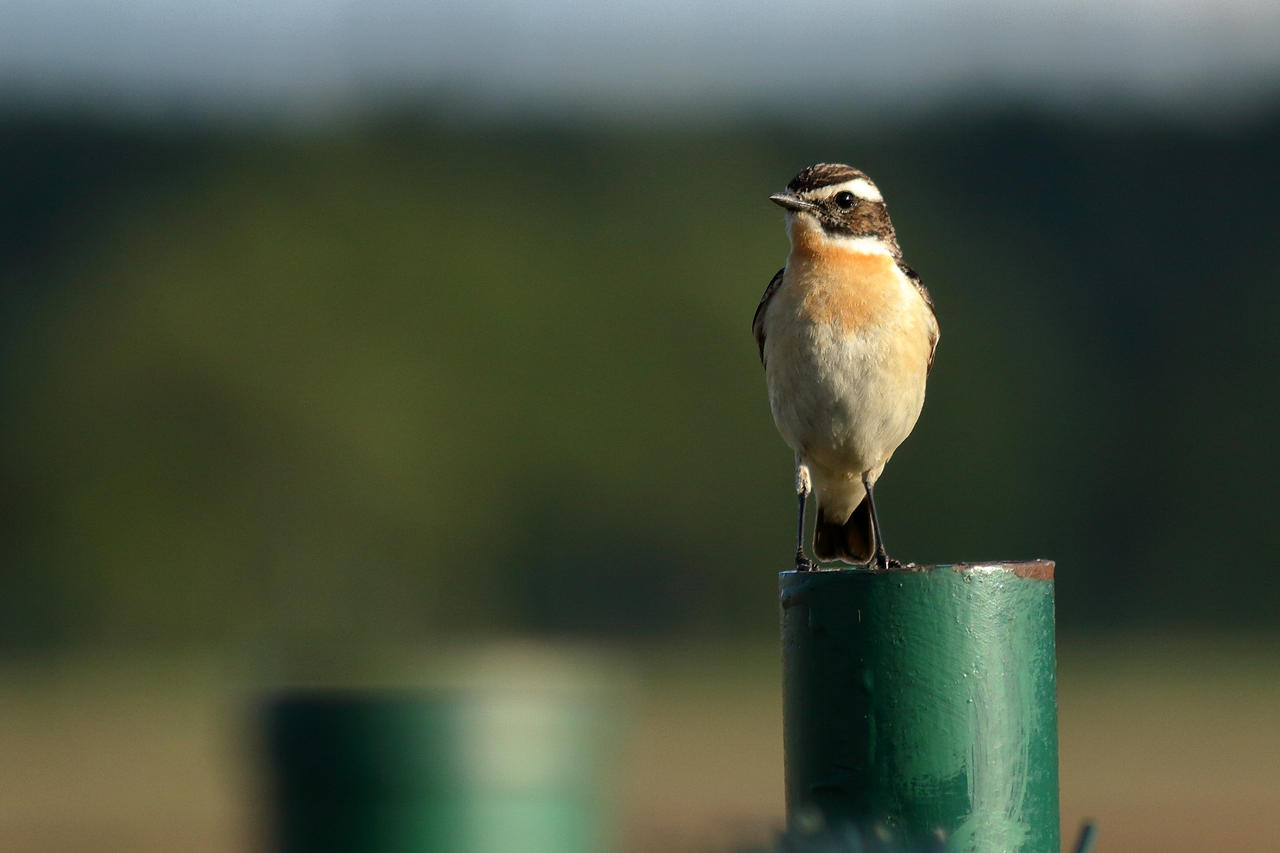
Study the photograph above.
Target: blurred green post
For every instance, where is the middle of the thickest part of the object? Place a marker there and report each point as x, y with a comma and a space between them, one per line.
921, 703
380, 771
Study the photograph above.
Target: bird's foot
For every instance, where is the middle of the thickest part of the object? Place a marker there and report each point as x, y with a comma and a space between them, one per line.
881, 561
803, 563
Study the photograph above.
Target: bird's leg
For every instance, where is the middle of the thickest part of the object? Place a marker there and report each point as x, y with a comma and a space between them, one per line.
803, 488
881, 558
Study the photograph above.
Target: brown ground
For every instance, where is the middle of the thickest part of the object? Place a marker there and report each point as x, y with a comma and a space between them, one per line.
1170, 744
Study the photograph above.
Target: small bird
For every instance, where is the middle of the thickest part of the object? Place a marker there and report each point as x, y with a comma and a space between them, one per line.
847, 336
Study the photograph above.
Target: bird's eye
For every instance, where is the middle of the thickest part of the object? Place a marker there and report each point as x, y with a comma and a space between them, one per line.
845, 200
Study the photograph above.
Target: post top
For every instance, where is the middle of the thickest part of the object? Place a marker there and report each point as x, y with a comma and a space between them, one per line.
1037, 569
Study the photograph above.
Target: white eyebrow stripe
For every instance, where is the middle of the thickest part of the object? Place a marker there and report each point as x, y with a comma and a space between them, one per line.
861, 187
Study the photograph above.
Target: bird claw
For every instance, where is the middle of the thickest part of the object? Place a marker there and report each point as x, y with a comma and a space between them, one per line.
804, 564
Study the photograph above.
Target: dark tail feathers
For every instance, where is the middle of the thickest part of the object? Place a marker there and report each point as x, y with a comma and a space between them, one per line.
854, 541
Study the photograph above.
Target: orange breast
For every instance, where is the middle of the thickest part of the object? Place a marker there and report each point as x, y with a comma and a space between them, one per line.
845, 287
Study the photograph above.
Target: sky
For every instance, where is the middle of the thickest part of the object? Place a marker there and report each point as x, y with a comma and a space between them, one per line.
1184, 55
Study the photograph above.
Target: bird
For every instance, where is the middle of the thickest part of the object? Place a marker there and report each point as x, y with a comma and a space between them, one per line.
847, 336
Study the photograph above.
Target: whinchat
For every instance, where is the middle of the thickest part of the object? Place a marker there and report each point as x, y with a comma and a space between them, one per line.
847, 336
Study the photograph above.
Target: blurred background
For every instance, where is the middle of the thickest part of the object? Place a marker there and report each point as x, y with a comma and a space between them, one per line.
342, 340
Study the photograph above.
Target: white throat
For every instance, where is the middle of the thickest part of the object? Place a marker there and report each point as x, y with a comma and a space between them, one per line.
860, 245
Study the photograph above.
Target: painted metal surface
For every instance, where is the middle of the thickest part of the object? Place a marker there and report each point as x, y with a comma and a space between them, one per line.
427, 772
921, 702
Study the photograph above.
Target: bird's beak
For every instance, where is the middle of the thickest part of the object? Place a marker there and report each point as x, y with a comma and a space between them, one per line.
791, 201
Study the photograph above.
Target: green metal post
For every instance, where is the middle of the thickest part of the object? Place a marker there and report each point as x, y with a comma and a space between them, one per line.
436, 772
920, 703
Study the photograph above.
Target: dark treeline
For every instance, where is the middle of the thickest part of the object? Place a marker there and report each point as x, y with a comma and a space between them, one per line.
408, 377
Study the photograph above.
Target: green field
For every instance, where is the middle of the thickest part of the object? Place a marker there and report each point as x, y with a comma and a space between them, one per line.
278, 399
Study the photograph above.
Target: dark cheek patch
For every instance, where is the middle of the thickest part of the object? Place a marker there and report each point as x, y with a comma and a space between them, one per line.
868, 219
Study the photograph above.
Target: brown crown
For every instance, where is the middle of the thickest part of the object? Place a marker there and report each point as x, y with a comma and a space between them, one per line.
823, 175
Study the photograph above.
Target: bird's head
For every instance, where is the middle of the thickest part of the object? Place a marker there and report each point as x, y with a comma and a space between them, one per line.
831, 204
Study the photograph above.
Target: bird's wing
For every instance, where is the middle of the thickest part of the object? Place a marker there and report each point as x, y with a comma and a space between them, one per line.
934, 332
757, 322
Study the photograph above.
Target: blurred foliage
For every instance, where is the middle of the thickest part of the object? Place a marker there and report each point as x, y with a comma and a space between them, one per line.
412, 377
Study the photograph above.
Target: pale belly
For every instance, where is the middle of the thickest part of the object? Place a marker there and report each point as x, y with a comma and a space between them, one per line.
845, 402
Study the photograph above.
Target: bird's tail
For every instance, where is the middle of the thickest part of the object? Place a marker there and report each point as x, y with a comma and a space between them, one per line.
852, 540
